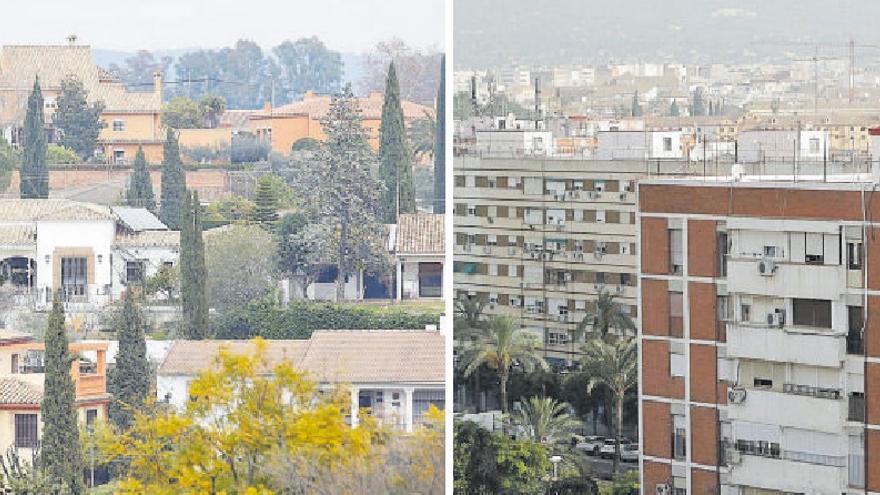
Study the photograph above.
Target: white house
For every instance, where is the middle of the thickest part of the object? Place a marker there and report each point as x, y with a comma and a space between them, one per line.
393, 375
418, 241
88, 252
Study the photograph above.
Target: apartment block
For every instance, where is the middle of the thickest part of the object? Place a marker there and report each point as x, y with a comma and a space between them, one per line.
759, 349
537, 238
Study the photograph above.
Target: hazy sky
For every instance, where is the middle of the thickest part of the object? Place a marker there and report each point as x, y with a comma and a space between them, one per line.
344, 25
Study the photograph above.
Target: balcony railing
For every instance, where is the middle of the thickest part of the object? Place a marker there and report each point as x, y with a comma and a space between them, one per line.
855, 343
809, 390
821, 459
856, 408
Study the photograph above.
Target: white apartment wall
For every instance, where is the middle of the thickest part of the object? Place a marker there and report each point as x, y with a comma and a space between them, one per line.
658, 145
97, 235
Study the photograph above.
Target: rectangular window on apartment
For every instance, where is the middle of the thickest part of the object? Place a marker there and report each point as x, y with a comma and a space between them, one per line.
73, 276
723, 250
676, 252
118, 125
676, 314
134, 271
25, 431
814, 249
855, 336
762, 383
667, 144
679, 436
854, 255
812, 312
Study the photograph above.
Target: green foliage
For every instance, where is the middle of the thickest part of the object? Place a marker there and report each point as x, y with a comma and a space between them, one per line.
266, 318
636, 109
439, 200
306, 144
625, 484
230, 209
184, 113
34, 174
60, 456
78, 121
129, 381
307, 65
9, 160
214, 154
266, 201
59, 155
173, 196
240, 265
140, 187
244, 63
137, 71
164, 281
417, 70
247, 148
487, 462
193, 287
212, 107
395, 167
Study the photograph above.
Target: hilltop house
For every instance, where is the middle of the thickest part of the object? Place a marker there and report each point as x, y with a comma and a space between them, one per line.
88, 252
393, 375
21, 387
131, 118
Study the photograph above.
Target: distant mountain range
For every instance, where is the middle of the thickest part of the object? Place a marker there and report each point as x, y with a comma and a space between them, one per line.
494, 33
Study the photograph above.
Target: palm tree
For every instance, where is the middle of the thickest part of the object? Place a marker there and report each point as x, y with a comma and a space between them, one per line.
608, 314
467, 320
613, 363
543, 419
499, 345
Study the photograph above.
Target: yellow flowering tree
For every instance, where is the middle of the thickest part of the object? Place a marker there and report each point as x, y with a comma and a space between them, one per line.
241, 414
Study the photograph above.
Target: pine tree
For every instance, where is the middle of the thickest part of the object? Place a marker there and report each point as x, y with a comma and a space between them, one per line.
266, 199
673, 109
60, 457
440, 144
130, 379
78, 121
193, 296
140, 187
34, 174
636, 106
173, 193
395, 169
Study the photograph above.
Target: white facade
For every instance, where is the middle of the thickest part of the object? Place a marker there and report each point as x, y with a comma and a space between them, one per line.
666, 145
515, 142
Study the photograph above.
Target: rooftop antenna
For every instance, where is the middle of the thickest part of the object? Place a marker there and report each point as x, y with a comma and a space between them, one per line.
537, 101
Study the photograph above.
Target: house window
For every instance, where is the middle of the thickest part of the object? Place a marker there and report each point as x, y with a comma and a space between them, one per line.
854, 255
91, 417
676, 253
772, 252
14, 368
118, 125
25, 431
812, 312
763, 383
422, 401
73, 276
134, 271
814, 145
745, 313
667, 144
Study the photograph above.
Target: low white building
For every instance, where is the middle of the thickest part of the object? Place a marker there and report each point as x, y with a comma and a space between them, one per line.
418, 241
393, 375
88, 252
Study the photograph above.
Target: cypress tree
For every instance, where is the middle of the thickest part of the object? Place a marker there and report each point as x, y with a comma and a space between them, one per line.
673, 109
440, 144
79, 122
395, 169
173, 193
266, 199
193, 296
60, 457
130, 379
34, 174
140, 188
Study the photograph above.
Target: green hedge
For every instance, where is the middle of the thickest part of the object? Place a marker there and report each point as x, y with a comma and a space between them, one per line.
299, 319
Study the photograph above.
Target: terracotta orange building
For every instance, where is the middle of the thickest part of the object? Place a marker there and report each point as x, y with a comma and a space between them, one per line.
287, 124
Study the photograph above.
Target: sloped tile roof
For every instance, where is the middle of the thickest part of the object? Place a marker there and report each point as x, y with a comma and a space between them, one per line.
148, 238
337, 356
316, 106
31, 210
420, 233
15, 391
20, 64
18, 235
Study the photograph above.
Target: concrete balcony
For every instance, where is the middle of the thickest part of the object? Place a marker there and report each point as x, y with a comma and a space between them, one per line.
790, 409
789, 279
787, 344
787, 475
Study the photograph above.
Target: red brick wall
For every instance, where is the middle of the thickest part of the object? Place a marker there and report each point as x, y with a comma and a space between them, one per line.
872, 395
655, 246
702, 373
701, 248
872, 332
655, 307
872, 449
656, 380
656, 473
657, 431
703, 482
702, 301
704, 436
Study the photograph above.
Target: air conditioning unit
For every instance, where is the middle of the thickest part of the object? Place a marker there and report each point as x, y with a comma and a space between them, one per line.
579, 256
567, 276
662, 489
592, 195
562, 318
547, 256
776, 318
490, 219
534, 256
623, 196
619, 289
559, 196
733, 456
736, 395
766, 267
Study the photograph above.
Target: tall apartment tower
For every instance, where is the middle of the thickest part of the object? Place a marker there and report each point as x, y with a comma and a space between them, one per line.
760, 337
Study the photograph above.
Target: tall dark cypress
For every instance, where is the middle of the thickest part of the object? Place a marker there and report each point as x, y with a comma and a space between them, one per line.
440, 144
130, 379
60, 456
173, 193
395, 167
34, 174
140, 188
193, 291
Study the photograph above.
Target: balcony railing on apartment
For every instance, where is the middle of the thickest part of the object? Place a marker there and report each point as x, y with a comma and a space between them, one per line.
821, 459
809, 390
856, 408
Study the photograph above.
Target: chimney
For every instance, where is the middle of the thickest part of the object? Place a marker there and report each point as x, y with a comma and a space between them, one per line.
157, 84
71, 39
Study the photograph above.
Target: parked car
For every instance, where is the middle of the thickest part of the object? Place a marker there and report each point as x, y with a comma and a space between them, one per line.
607, 449
591, 444
629, 452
